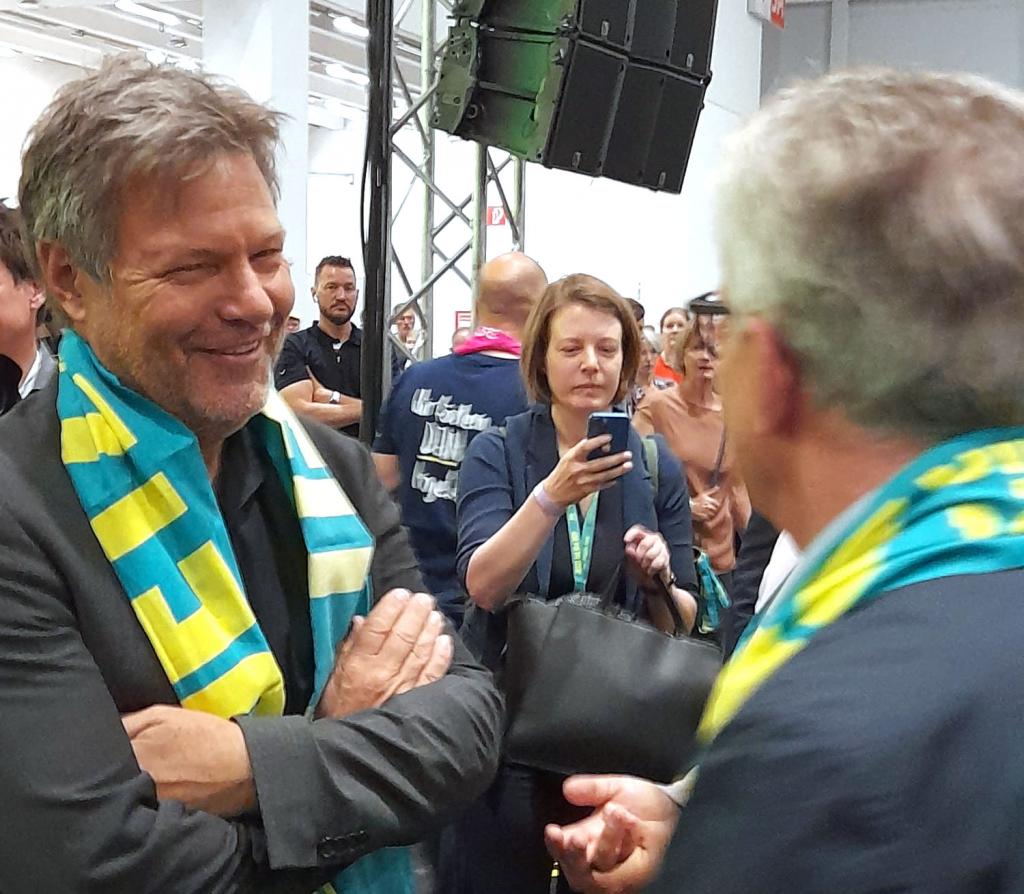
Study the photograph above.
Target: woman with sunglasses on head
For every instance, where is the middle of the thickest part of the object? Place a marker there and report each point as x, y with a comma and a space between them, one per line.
537, 515
689, 416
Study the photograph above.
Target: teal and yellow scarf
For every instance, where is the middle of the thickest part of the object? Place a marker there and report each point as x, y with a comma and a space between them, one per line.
957, 509
142, 482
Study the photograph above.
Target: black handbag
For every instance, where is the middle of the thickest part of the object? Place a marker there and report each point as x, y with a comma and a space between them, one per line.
590, 688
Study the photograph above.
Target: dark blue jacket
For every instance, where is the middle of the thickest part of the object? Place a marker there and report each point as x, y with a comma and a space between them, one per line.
497, 476
886, 757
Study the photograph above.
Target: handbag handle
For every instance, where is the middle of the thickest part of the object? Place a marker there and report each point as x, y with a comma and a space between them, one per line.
673, 610
608, 595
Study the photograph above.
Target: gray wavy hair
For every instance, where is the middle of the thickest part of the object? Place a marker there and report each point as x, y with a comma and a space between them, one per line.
130, 119
877, 219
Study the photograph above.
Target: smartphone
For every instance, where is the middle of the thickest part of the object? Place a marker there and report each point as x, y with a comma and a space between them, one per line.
614, 424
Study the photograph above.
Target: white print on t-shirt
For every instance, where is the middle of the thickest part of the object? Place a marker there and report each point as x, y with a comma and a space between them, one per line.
461, 416
444, 442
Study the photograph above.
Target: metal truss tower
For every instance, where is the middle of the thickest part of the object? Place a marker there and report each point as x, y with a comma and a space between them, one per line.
463, 210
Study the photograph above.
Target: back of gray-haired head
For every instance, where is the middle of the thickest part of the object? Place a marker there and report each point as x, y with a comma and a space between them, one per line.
130, 120
877, 218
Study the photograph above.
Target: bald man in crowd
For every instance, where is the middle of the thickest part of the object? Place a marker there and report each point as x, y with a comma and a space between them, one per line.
439, 406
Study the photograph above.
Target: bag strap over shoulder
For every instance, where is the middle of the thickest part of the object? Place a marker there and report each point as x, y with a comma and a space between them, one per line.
651, 461
716, 474
515, 459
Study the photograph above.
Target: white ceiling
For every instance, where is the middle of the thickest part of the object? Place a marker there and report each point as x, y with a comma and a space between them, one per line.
81, 32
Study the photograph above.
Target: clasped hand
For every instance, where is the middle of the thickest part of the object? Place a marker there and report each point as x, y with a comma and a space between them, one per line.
647, 556
398, 646
201, 759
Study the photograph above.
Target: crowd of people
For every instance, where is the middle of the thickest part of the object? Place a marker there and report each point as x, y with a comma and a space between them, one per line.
241, 652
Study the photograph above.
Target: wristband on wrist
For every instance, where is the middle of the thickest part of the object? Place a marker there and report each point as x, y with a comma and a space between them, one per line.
548, 506
335, 398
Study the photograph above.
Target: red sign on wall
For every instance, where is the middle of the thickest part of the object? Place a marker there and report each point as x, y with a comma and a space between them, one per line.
496, 216
773, 11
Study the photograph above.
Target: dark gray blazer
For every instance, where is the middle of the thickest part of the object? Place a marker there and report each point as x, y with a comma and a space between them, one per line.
77, 813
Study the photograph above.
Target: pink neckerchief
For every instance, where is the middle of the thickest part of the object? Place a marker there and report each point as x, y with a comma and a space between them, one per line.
486, 339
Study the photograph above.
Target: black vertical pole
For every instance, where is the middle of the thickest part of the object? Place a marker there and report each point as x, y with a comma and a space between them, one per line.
377, 248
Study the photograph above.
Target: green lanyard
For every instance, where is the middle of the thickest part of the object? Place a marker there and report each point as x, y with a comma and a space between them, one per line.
581, 545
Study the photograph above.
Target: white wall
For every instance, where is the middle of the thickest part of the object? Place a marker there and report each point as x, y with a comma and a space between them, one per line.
28, 86
332, 204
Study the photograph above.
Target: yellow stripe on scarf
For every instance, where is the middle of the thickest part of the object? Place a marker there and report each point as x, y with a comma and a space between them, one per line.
84, 439
118, 429
137, 516
841, 581
328, 575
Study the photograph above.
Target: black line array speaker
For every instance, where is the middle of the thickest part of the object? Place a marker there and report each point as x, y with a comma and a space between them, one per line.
609, 88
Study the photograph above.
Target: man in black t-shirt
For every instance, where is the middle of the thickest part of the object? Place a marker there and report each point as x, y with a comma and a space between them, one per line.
318, 370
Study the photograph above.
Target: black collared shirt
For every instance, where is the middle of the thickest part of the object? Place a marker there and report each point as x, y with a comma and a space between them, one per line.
335, 364
268, 545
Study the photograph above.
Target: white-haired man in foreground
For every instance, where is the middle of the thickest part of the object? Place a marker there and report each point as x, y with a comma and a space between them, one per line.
866, 734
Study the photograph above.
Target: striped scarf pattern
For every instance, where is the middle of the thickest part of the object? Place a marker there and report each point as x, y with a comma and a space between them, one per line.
142, 482
956, 509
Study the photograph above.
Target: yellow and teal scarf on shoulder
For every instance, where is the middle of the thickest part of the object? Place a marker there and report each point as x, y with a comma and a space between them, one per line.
142, 482
957, 509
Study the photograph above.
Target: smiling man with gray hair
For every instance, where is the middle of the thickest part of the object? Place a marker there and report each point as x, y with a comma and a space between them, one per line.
866, 734
214, 672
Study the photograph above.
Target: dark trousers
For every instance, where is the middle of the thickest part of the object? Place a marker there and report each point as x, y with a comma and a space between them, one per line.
497, 847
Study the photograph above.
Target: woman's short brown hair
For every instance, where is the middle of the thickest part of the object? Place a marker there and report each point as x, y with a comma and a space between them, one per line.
590, 292
693, 334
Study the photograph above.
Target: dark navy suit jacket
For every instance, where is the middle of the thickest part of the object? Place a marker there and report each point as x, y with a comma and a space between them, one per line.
887, 756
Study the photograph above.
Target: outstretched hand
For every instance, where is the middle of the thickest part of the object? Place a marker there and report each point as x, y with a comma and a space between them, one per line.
618, 849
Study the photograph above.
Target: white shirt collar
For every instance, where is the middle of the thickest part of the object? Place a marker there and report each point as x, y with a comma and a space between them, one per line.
29, 382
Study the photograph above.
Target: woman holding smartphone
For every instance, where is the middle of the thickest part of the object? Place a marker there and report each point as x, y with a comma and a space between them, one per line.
537, 515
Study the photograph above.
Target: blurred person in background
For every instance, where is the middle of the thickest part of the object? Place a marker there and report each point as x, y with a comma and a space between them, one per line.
522, 494
645, 380
638, 311
755, 552
405, 327
865, 736
709, 314
29, 365
672, 323
690, 418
